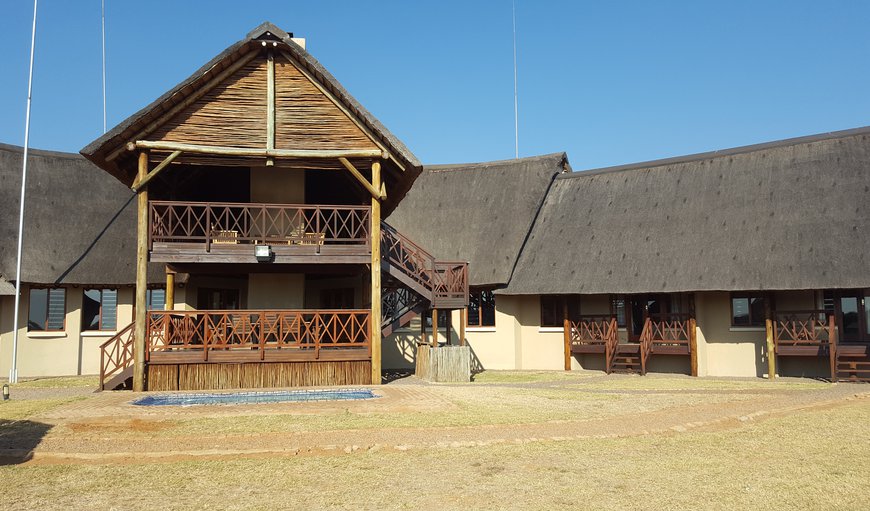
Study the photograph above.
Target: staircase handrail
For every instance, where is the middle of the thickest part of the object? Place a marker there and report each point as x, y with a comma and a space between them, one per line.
611, 344
116, 354
646, 337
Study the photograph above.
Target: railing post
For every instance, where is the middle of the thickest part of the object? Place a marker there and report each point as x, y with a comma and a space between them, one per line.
832, 346
771, 348
693, 346
207, 228
567, 339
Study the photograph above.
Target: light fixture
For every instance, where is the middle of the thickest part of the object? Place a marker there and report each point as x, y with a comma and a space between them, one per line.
263, 253
5, 392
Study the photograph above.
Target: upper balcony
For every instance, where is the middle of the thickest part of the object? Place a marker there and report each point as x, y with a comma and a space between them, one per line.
211, 232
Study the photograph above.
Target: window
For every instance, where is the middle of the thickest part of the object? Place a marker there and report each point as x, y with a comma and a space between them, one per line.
155, 299
617, 308
47, 310
747, 310
554, 308
481, 308
100, 309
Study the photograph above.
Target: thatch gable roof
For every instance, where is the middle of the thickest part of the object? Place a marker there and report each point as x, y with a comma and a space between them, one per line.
783, 215
123, 167
80, 225
480, 213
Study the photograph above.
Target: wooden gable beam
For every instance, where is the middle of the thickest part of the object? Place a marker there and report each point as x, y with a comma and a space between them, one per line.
254, 152
337, 103
375, 191
186, 102
270, 104
140, 183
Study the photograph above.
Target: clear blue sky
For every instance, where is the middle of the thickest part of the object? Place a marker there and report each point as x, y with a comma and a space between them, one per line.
608, 82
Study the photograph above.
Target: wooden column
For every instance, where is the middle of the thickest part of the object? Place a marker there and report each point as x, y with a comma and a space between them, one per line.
434, 328
170, 289
567, 334
141, 279
693, 345
771, 349
463, 318
375, 320
832, 346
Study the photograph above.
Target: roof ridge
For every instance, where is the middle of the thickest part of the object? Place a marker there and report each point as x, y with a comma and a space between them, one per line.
447, 167
719, 153
39, 152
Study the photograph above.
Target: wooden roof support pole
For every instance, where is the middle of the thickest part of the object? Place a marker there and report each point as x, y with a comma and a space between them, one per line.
463, 318
434, 328
375, 188
270, 106
375, 319
693, 346
141, 279
566, 329
170, 289
141, 182
771, 344
186, 102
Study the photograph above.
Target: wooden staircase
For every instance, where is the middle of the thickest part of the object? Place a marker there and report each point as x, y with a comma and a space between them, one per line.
853, 363
626, 359
116, 359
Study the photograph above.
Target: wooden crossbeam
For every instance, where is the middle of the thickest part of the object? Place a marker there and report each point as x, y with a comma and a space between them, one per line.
189, 100
140, 184
262, 153
377, 194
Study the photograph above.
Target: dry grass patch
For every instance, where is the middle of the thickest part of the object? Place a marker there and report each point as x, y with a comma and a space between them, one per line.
677, 383
61, 382
810, 460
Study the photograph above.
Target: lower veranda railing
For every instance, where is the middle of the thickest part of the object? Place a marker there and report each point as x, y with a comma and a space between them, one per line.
593, 330
261, 330
116, 354
810, 328
445, 279
667, 333
212, 223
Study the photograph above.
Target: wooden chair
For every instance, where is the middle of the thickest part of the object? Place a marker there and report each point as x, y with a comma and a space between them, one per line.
225, 237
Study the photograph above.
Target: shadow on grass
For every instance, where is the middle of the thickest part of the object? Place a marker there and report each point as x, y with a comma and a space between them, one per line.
18, 439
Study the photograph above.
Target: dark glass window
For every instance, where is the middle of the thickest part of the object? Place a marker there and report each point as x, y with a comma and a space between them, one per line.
617, 308
100, 309
747, 310
554, 307
47, 309
155, 299
481, 308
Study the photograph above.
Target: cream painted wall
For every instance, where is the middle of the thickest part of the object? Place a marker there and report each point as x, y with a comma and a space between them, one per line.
313, 288
277, 186
276, 291
70, 352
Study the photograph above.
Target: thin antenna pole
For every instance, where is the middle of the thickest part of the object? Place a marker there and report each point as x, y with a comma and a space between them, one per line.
516, 110
103, 18
13, 372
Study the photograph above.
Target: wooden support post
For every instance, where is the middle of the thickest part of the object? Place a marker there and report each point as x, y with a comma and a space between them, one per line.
567, 334
771, 349
832, 346
463, 318
141, 279
375, 320
423, 329
434, 328
170, 289
693, 345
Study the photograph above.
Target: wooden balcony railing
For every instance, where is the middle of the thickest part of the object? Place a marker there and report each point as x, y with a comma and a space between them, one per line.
213, 223
669, 333
262, 330
591, 330
811, 328
444, 280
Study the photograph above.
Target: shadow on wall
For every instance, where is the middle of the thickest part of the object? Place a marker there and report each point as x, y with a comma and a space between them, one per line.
18, 439
406, 342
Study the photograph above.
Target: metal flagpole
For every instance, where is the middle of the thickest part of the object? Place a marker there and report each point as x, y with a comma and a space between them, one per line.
103, 19
13, 372
516, 110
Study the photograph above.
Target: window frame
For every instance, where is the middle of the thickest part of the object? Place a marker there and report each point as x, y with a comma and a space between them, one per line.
149, 297
480, 323
100, 314
49, 290
753, 322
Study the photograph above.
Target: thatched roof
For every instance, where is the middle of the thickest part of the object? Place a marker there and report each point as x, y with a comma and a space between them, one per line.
397, 182
79, 225
480, 213
784, 215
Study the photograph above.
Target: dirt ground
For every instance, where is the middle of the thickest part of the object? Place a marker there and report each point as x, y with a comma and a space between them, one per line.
582, 418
